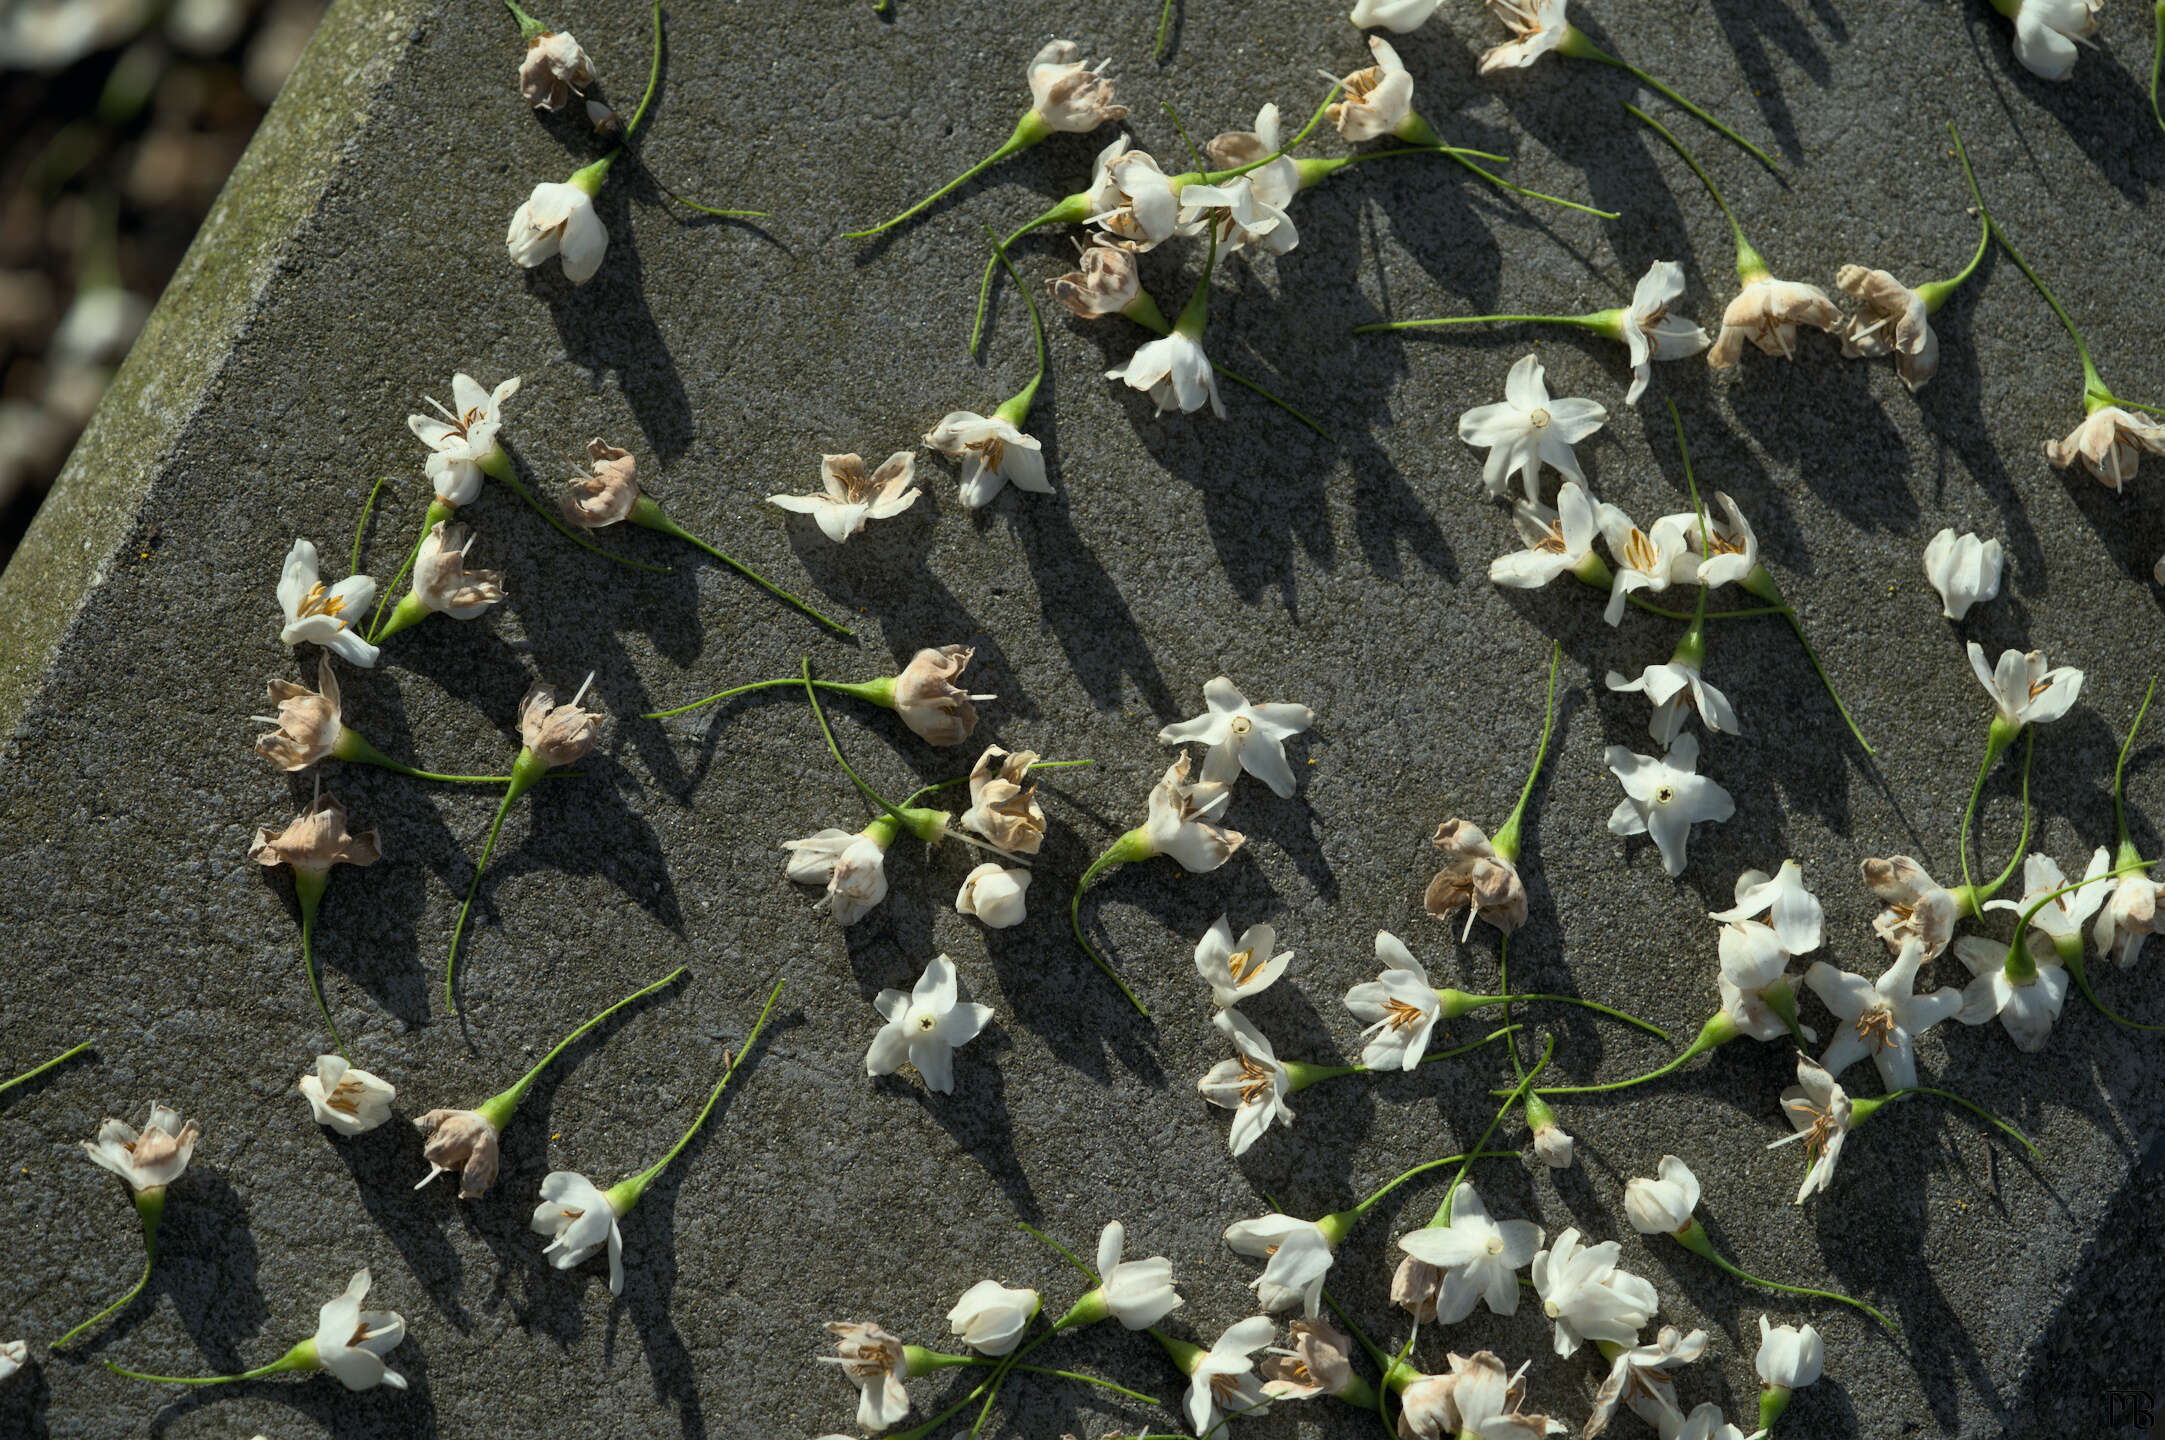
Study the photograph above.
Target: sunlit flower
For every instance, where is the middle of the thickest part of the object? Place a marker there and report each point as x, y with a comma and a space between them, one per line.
852, 865
873, 1358
1728, 552
1881, 1019
1651, 332
1242, 736
1105, 285
152, 1159
994, 453
1175, 373
14, 1354
993, 894
924, 1027
1068, 94
1478, 1259
1003, 804
1677, 691
1299, 1256
1587, 1297
1891, 319
1767, 313
1236, 971
1963, 569
315, 841
928, 700
1318, 1363
2127, 918
1528, 429
1917, 905
556, 734
2025, 692
1553, 1145
1476, 876
320, 615
351, 1342
347, 1100
1275, 183
2046, 32
1223, 1384
1705, 1422
1397, 16
577, 1215
1643, 1378
553, 70
441, 581
1237, 217
558, 219
990, 1317
1537, 27
1489, 1400
1253, 1084
1794, 912
1818, 1109
1378, 99
1183, 818
461, 1140
1557, 541
1131, 199
309, 723
1399, 1007
608, 492
459, 439
1664, 798
1137, 1293
1645, 560
1789, 1358
850, 497
2110, 442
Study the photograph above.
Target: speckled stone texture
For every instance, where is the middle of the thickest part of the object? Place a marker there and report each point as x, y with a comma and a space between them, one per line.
357, 261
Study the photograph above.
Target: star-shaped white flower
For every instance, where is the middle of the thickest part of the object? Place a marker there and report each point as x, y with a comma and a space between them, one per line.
1253, 1084
924, 1027
1963, 569
346, 1100
1650, 332
849, 497
1819, 1110
1299, 1258
994, 453
1881, 1019
1664, 798
1645, 560
1237, 217
1677, 690
1480, 1258
351, 1342
321, 615
1399, 1006
1587, 1297
1556, 541
1753, 962
1242, 736
1224, 1384
2060, 919
151, 1160
1529, 430
2023, 690
1236, 971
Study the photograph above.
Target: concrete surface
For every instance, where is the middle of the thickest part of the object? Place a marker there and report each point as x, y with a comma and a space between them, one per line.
356, 261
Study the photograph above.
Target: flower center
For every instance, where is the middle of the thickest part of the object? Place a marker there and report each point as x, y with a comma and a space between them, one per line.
1255, 1081
1664, 794
1242, 964
321, 602
1225, 1389
1823, 1130
2040, 688
1639, 552
1551, 1309
345, 1098
1401, 1015
1553, 542
1240, 725
1495, 1245
992, 448
1539, 419
925, 1022
1876, 1028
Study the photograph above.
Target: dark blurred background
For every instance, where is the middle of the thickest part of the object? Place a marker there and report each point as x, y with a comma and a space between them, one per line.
122, 118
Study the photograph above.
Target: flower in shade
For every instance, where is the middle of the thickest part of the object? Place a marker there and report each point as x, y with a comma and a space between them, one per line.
1587, 1297
1891, 319
1003, 804
558, 219
1767, 312
1318, 1363
441, 581
315, 841
2110, 442
849, 497
577, 1215
1557, 541
1537, 27
1818, 1109
1529, 429
993, 894
14, 1354
1963, 569
2027, 1008
1378, 99
1182, 820
1881, 1019
1236, 970
351, 1342
1237, 216
994, 453
2127, 918
924, 1027
606, 494
875, 1360
556, 734
1477, 1258
308, 721
1242, 736
151, 1159
2025, 692
1175, 373
1399, 1006
1477, 876
1253, 1084
1298, 1256
321, 615
1664, 798
1068, 94
928, 700
553, 70
458, 440
1643, 1377
1223, 1385
1917, 905
1651, 332
347, 1100
990, 1317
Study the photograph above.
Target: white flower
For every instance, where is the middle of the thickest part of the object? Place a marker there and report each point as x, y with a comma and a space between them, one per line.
577, 1215
1479, 1398
1729, 551
1537, 27
2029, 1009
1069, 95
1224, 1384
2110, 442
1235, 972
1175, 373
459, 440
1796, 915
1399, 1006
1237, 217
850, 497
321, 616
1753, 961
1553, 1145
1641, 1378
1587, 1296
1644, 560
994, 453
993, 894
351, 1342
1253, 1084
553, 69
14, 1354
1131, 200
1242, 736
1529, 429
1963, 569
1299, 1256
1819, 1110
1881, 1019
441, 581
1275, 183
1557, 541
1182, 820
1139, 1293
1316, 1365
1705, 1423
2046, 32
851, 865
990, 1317
1789, 1358
1767, 312
1892, 319
2127, 918
875, 1359
461, 1140
1397, 16
1917, 905
1480, 1258
1662, 1206
1677, 690
1664, 798
924, 1027
2023, 689
558, 219
149, 1161
1378, 99
350, 1101
1651, 332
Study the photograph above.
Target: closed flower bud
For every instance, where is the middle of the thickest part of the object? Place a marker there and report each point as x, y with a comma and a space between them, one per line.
930, 703
556, 734
1662, 1206
459, 1140
994, 895
607, 494
346, 1100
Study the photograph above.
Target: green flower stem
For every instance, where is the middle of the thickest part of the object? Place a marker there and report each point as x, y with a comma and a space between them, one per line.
1576, 44
1504, 1033
1135, 845
2157, 65
2127, 850
439, 511
651, 516
498, 1108
2072, 959
530, 29
1155, 323
1421, 135
32, 1074
869, 690
1001, 1369
1016, 409
2018, 966
1074, 1375
921, 1432
927, 825
150, 1208
625, 1193
354, 748
300, 1357
1601, 322
1862, 1110
1074, 209
308, 886
1348, 1216
1182, 131
1507, 839
2001, 736
653, 75
1693, 1237
1749, 266
498, 464
1718, 1030
1397, 1376
1029, 130
923, 791
525, 770
1503, 983
1518, 1093
1937, 292
1165, 25
360, 526
1761, 584
1457, 1002
1064, 1253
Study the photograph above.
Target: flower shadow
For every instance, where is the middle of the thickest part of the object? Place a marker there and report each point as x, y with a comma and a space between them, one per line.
376, 1161
382, 1414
